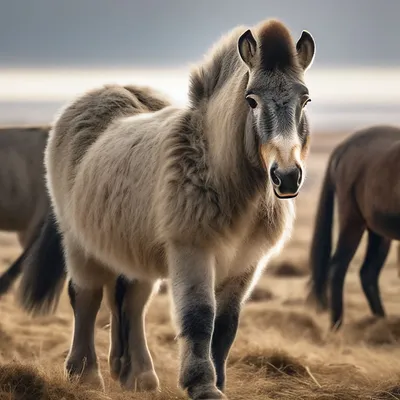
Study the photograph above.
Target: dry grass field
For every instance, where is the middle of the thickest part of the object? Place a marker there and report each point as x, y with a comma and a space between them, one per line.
283, 349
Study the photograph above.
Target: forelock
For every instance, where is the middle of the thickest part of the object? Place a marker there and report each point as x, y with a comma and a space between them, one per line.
277, 48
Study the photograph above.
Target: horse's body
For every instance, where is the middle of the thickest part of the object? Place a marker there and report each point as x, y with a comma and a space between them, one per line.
149, 191
362, 173
24, 202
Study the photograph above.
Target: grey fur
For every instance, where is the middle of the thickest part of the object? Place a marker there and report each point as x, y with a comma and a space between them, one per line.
177, 193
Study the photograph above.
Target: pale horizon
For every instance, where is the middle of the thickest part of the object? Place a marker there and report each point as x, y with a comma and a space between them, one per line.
342, 98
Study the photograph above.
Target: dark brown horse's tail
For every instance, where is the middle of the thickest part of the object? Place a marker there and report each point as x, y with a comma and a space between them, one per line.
43, 271
321, 244
12, 273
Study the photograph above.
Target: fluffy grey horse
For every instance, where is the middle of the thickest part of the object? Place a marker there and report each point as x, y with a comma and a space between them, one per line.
197, 195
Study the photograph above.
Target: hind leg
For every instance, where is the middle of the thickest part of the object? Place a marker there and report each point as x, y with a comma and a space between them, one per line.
129, 358
82, 359
377, 251
350, 234
192, 282
229, 300
85, 289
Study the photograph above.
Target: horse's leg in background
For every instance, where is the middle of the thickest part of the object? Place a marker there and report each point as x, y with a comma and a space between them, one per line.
85, 289
129, 358
192, 282
229, 300
351, 228
377, 251
398, 259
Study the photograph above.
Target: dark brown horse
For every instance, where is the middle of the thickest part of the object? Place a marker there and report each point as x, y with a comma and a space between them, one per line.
398, 259
363, 173
24, 202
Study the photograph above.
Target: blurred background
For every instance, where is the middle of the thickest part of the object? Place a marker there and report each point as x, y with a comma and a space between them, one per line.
51, 50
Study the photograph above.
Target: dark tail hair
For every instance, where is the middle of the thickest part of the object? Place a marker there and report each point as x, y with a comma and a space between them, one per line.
11, 274
44, 271
321, 245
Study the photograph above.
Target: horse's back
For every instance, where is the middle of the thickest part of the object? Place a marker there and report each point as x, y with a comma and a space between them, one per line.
365, 175
83, 122
23, 192
361, 150
375, 138
102, 149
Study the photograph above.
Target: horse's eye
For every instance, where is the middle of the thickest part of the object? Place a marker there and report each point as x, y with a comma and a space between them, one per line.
252, 103
304, 100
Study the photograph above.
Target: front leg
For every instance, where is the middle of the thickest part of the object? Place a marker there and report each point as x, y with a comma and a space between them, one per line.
192, 278
229, 299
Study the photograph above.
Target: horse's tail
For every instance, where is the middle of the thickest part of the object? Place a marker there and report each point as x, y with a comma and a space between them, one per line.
14, 270
12, 273
44, 272
321, 244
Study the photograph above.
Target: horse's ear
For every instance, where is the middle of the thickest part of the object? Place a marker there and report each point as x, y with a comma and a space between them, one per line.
306, 50
247, 46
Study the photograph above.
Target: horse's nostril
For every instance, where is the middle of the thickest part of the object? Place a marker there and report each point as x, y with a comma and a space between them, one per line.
286, 181
274, 176
300, 175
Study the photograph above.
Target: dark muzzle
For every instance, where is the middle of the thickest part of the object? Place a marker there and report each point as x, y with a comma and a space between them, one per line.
286, 182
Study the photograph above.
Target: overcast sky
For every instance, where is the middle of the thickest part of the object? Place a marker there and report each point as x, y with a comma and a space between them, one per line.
119, 33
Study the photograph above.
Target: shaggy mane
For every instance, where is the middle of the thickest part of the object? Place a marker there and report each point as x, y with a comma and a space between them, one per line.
219, 64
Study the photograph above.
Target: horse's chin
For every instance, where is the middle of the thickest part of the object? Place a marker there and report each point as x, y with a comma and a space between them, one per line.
285, 197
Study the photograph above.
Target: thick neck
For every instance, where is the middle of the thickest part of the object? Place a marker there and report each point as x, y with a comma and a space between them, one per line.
237, 181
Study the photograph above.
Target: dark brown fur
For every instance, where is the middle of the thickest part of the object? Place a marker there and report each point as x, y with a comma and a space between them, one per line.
23, 197
363, 174
277, 48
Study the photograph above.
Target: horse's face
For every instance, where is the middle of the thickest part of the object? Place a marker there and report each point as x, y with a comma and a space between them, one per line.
276, 98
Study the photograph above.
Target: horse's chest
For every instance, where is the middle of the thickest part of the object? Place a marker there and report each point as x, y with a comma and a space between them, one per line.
267, 238
237, 258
